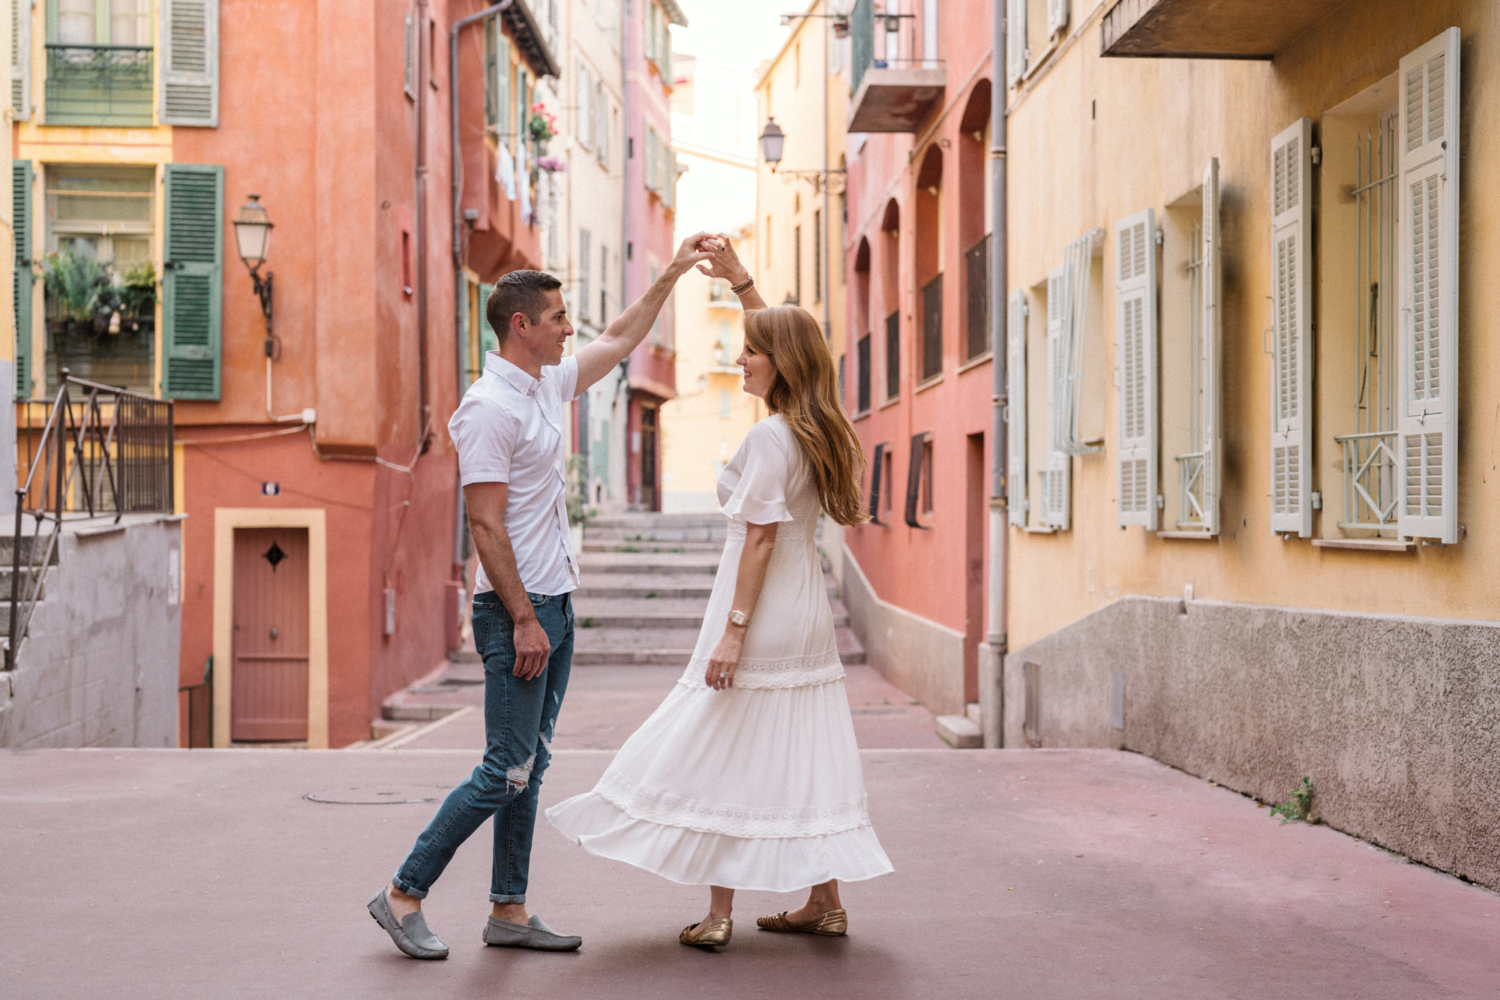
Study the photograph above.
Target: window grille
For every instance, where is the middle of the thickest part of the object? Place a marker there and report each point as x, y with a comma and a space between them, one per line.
893, 355
932, 328
864, 373
977, 259
1369, 454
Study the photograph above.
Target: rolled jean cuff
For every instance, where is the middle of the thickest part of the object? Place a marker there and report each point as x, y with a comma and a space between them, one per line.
404, 887
500, 897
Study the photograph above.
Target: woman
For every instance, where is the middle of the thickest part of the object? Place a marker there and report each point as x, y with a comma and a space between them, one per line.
747, 776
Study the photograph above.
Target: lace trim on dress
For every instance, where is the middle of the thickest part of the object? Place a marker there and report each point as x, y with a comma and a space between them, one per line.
652, 805
782, 672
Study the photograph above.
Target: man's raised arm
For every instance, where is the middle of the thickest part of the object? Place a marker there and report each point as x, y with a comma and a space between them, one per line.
632, 325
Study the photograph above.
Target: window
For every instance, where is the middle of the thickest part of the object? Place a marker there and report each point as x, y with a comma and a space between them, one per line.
919, 480
601, 123
83, 202
99, 61
1067, 312
585, 292
409, 52
586, 116
818, 256
406, 279
879, 481
977, 313
603, 286
932, 328
1136, 368
797, 264
864, 374
1015, 410
497, 81
893, 355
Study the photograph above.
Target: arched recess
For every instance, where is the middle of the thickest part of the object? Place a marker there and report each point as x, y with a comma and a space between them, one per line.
928, 236
890, 298
974, 219
860, 328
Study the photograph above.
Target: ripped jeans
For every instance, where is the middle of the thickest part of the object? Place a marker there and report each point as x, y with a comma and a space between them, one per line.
519, 717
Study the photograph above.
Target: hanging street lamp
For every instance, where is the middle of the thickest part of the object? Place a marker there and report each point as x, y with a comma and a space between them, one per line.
252, 232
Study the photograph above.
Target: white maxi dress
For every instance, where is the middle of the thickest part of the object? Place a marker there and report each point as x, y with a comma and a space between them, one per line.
759, 786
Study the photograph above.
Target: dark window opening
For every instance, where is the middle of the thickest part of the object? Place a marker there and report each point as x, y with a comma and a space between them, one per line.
978, 260
919, 480
893, 355
864, 374
877, 470
932, 328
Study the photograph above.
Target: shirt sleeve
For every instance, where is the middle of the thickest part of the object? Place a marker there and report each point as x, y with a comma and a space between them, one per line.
566, 374
484, 435
760, 495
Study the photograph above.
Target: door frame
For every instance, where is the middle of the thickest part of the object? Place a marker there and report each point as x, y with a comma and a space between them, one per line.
226, 520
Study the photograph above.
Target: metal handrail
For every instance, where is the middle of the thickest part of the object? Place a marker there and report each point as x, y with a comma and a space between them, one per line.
136, 443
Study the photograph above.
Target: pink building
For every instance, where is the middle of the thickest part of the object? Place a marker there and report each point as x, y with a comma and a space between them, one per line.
650, 204
917, 368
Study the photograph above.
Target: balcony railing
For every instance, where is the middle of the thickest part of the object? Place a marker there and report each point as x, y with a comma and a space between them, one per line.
93, 450
1370, 488
904, 86
99, 84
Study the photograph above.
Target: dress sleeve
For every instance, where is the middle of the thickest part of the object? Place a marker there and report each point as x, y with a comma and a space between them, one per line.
765, 474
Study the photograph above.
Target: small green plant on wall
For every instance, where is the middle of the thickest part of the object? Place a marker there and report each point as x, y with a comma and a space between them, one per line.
1298, 808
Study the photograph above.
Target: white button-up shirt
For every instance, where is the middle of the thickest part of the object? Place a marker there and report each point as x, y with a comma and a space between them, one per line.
509, 429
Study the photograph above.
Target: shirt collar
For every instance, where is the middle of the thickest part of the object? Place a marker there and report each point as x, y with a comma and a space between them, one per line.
523, 383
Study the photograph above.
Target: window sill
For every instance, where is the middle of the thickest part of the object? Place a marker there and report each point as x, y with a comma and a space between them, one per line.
860, 415
928, 384
1365, 544
975, 361
1188, 536
1041, 529
889, 402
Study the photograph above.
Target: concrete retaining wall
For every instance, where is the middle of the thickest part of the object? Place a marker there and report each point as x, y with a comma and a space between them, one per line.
99, 668
921, 657
1394, 718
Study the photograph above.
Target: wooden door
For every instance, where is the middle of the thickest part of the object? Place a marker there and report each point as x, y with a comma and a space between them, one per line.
269, 697
648, 458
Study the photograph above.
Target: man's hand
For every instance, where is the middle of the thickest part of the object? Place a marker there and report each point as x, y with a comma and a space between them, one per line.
532, 649
698, 247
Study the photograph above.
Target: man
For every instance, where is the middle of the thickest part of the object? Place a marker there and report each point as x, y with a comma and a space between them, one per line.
508, 432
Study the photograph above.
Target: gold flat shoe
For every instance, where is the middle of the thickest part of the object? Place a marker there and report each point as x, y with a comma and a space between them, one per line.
713, 933
834, 923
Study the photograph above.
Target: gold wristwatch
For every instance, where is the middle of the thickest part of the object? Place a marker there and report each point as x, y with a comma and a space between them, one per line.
739, 618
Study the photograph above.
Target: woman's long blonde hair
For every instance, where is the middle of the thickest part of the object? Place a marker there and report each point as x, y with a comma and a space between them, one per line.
804, 390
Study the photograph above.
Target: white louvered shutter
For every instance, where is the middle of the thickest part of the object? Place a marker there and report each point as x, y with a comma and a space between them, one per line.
601, 129
1057, 16
1057, 478
1015, 408
1212, 444
585, 114
20, 59
1015, 40
189, 50
1291, 331
1427, 262
1135, 351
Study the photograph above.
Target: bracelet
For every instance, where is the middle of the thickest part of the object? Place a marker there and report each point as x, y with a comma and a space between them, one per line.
743, 286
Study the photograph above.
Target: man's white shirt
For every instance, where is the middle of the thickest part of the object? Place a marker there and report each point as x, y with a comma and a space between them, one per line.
509, 429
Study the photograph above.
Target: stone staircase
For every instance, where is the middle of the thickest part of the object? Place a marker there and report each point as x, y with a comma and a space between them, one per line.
645, 581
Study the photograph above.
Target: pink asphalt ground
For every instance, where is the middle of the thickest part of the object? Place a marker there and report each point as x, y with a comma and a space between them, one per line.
1052, 874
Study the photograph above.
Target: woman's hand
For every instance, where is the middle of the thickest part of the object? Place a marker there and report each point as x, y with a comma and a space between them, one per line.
725, 263
725, 659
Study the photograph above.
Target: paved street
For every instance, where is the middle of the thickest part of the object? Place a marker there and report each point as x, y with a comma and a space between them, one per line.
1035, 874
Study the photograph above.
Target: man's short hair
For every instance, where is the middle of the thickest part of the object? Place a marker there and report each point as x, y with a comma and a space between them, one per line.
518, 292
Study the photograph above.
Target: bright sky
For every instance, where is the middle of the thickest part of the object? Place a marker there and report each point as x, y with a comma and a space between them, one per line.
734, 34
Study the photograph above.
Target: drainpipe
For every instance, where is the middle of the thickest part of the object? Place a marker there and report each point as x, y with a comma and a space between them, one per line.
992, 651
627, 148
827, 223
460, 289
424, 72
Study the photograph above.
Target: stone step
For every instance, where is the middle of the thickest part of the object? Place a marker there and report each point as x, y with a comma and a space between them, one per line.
668, 647
644, 585
622, 535
665, 563
7, 544
646, 521
651, 547
668, 614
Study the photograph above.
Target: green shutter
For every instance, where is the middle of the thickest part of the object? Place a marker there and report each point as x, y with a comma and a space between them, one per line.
491, 75
21, 185
193, 282
487, 339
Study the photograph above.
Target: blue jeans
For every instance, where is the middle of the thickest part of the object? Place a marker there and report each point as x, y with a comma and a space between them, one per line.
519, 717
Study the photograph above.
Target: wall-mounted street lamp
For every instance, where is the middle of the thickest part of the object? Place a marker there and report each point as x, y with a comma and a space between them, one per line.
252, 231
772, 144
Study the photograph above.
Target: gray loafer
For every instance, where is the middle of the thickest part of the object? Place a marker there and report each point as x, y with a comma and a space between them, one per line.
410, 932
505, 934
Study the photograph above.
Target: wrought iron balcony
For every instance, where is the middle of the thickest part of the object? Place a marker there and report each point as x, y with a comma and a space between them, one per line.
892, 92
99, 85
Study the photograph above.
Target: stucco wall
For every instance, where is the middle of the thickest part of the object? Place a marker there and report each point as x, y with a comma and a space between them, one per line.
99, 668
919, 656
1392, 717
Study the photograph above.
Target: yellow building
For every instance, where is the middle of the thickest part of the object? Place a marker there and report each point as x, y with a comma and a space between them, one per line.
1255, 517
799, 224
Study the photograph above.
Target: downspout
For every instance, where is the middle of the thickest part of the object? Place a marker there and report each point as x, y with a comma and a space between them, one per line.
424, 73
992, 653
827, 222
627, 150
460, 285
